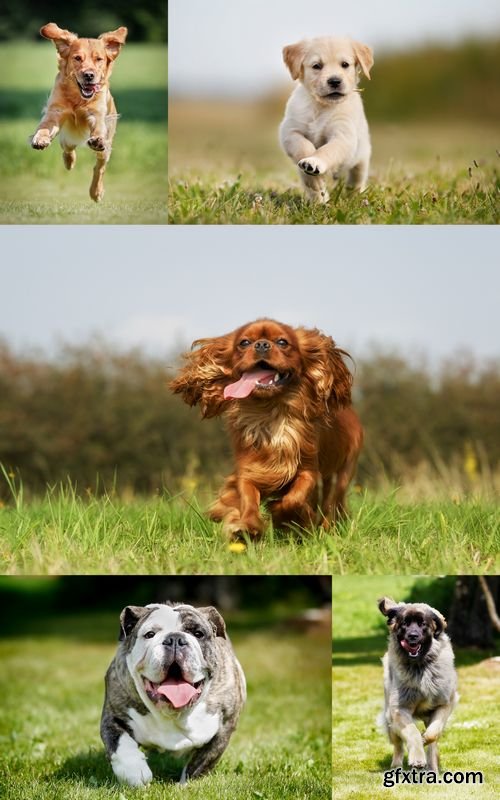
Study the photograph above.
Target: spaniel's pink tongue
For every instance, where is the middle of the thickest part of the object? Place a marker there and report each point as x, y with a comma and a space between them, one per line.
178, 692
247, 383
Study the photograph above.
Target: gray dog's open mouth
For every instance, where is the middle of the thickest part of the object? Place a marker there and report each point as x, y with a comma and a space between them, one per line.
413, 650
88, 90
175, 690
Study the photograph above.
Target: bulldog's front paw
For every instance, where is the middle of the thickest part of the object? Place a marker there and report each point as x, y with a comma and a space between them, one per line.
40, 140
96, 143
312, 165
129, 763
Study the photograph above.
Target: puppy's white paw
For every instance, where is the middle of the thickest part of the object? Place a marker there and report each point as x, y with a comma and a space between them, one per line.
312, 165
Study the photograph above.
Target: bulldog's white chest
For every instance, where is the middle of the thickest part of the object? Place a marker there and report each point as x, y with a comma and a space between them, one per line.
176, 735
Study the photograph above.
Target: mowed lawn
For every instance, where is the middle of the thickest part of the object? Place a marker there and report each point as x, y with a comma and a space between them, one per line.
63, 533
51, 691
226, 166
35, 188
361, 751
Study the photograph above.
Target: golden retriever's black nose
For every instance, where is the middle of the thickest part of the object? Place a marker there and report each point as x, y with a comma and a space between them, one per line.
262, 346
334, 82
89, 76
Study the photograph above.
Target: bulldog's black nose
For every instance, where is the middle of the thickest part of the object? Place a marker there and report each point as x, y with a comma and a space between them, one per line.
262, 346
89, 76
174, 640
334, 82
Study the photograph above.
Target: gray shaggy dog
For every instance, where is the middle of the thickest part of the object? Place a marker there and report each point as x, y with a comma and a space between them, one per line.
420, 682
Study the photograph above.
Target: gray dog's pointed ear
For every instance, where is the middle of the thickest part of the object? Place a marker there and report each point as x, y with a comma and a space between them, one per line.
293, 56
388, 607
440, 623
364, 57
215, 619
129, 618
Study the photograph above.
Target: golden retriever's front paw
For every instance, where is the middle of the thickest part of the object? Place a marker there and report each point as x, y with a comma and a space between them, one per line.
40, 141
312, 165
96, 143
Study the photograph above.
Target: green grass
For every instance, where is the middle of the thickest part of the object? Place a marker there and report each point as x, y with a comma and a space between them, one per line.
225, 166
51, 692
35, 186
361, 750
63, 533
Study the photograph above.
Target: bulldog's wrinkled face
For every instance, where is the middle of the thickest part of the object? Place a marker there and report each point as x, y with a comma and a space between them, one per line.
170, 654
414, 626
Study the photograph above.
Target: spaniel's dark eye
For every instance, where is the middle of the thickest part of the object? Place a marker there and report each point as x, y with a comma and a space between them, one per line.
149, 634
344, 64
245, 342
318, 65
282, 342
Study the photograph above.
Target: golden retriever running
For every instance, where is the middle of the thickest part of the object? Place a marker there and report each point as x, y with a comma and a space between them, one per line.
81, 108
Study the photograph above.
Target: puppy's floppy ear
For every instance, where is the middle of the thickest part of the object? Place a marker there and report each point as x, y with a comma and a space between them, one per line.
324, 369
206, 372
129, 618
293, 56
389, 608
439, 621
113, 42
61, 38
215, 620
364, 57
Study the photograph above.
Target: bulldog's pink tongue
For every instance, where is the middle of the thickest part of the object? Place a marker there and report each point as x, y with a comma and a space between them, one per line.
178, 692
247, 383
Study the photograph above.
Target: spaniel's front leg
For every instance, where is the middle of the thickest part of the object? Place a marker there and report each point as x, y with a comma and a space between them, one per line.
296, 505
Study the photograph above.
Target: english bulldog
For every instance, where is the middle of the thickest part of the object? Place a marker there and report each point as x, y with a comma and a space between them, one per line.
174, 684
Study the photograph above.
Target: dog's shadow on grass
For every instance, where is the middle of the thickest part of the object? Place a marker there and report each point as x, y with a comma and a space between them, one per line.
92, 768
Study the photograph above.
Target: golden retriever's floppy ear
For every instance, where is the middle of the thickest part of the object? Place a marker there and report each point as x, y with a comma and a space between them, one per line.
293, 56
324, 369
364, 57
205, 374
113, 42
61, 38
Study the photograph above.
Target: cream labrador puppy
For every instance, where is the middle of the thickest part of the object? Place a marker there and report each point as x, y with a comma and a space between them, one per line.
325, 129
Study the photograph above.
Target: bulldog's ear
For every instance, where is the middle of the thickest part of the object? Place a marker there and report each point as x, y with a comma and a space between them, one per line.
212, 615
440, 623
129, 618
389, 608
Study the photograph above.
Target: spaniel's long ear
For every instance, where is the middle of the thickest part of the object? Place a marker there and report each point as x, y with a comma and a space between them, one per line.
207, 369
61, 38
325, 369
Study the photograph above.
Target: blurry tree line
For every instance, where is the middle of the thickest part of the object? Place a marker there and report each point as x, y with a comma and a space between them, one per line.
108, 420
146, 20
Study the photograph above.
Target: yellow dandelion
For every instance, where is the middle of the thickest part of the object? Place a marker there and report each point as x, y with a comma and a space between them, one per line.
237, 547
